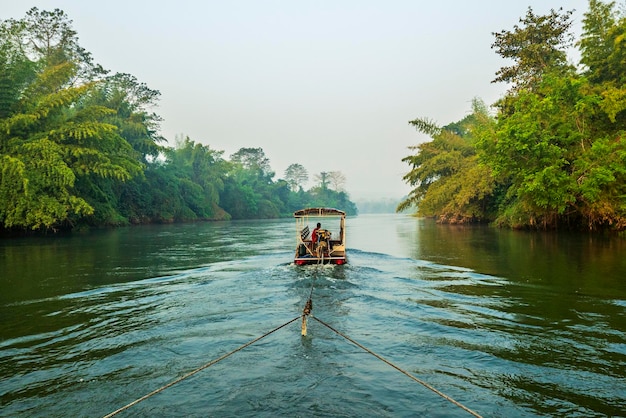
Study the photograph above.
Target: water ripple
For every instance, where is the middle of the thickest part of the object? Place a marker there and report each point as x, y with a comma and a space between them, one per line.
502, 345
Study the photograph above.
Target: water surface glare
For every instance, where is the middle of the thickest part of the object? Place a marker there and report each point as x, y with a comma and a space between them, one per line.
506, 323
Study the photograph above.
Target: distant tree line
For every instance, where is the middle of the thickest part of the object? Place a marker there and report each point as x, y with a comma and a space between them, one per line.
554, 153
381, 205
80, 147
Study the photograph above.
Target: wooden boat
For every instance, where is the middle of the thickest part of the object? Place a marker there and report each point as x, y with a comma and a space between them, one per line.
323, 245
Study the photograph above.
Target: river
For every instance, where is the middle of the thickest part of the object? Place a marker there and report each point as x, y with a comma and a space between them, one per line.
506, 323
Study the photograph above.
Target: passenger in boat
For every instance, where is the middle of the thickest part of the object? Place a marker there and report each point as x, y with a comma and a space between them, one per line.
314, 235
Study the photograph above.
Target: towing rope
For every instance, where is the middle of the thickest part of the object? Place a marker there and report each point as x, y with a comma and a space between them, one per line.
308, 307
306, 312
188, 375
421, 382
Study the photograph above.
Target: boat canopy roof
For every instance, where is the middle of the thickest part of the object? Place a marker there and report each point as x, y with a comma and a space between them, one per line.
318, 212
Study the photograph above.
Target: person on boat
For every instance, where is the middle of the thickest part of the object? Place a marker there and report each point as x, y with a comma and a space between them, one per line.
314, 236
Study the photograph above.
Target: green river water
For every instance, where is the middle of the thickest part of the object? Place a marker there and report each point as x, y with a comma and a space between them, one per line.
506, 323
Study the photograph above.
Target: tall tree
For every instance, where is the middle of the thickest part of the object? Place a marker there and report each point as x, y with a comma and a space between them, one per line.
601, 166
296, 175
129, 102
254, 160
322, 179
132, 102
17, 70
530, 151
203, 166
603, 53
249, 191
48, 37
601, 43
337, 180
526, 149
538, 44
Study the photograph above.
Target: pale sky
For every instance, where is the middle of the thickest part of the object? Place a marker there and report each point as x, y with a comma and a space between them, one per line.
327, 84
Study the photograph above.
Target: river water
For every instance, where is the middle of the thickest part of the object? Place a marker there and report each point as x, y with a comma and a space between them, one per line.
506, 323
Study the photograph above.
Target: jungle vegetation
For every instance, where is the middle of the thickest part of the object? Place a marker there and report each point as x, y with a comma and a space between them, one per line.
80, 146
552, 153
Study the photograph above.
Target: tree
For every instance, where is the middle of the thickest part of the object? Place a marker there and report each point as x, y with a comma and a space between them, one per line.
17, 71
296, 175
531, 151
600, 167
131, 101
603, 54
450, 182
528, 149
601, 43
253, 160
47, 37
337, 180
540, 43
323, 180
200, 168
249, 191
128, 101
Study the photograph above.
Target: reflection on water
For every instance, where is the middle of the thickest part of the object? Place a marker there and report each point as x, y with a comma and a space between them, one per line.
508, 323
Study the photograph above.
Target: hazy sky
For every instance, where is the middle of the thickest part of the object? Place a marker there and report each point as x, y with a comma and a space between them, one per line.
327, 84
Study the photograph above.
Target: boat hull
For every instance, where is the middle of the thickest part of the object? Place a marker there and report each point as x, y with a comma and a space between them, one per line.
305, 261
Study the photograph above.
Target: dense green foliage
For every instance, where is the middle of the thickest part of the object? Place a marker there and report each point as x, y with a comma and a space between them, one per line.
451, 182
79, 146
554, 154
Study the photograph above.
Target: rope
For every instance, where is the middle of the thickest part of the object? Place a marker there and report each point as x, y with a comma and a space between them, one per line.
308, 307
305, 313
421, 382
188, 375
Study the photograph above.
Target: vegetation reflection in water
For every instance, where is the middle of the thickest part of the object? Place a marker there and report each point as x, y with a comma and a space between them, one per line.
507, 323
